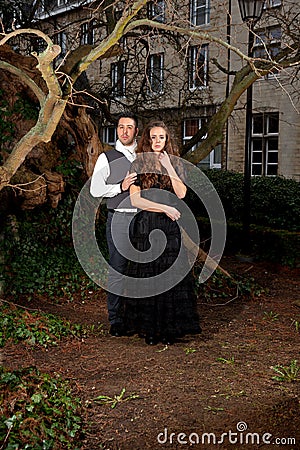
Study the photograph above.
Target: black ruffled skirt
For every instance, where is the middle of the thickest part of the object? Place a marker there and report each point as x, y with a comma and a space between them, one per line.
171, 313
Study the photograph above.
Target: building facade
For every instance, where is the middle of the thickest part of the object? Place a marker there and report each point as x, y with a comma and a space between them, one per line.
184, 79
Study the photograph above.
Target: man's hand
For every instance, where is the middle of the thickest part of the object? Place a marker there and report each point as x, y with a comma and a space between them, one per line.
128, 181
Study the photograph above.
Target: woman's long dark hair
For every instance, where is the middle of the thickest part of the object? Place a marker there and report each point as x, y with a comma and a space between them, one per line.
148, 176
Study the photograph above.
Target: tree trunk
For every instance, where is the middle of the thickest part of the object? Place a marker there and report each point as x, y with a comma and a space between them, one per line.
85, 134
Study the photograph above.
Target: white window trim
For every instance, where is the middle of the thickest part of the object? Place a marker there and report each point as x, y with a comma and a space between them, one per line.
193, 13
214, 165
159, 17
114, 75
60, 7
87, 28
105, 133
193, 68
186, 138
265, 152
151, 73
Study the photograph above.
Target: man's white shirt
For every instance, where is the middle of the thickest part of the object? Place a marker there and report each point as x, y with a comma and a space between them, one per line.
99, 186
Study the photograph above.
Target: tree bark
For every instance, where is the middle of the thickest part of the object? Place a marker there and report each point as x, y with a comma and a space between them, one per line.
84, 131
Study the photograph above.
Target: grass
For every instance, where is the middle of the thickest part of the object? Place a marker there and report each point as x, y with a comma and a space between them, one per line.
287, 373
296, 325
116, 399
189, 350
226, 361
271, 316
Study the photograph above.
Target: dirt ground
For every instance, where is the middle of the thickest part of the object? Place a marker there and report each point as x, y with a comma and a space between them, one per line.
216, 388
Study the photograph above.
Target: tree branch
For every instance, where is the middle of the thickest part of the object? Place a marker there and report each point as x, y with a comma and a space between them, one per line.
25, 78
110, 40
215, 127
52, 108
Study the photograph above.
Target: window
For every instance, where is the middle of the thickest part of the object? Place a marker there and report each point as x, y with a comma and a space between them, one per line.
54, 7
198, 66
61, 40
123, 43
49, 5
38, 45
272, 3
118, 78
200, 10
155, 73
190, 128
87, 33
267, 44
118, 13
46, 6
156, 11
265, 133
109, 135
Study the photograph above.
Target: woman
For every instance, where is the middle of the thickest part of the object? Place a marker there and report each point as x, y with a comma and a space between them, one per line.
172, 314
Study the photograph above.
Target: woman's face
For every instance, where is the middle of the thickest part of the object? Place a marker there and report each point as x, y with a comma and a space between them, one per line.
158, 139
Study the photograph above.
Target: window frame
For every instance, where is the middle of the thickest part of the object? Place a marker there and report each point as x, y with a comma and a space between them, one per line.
194, 16
58, 7
118, 78
273, 4
152, 72
210, 159
61, 39
266, 44
87, 33
157, 16
194, 80
265, 136
105, 134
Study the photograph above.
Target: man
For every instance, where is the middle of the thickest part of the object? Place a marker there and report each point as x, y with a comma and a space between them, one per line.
111, 179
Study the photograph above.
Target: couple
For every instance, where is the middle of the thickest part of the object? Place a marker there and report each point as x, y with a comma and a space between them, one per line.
124, 178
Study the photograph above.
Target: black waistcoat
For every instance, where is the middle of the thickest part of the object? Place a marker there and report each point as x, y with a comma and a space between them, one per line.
119, 166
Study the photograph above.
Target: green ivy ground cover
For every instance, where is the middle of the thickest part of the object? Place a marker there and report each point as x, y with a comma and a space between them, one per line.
33, 327
38, 412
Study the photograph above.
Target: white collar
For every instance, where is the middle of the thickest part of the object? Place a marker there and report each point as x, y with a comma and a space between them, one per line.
123, 148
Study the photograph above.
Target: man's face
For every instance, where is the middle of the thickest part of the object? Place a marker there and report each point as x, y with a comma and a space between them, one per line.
126, 130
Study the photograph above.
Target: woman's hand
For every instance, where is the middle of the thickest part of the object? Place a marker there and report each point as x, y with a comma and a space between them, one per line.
171, 212
164, 160
178, 186
143, 203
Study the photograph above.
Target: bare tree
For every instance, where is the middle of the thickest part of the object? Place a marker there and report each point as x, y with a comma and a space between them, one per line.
56, 90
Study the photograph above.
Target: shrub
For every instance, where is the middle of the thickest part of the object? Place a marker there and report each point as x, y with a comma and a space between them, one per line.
40, 258
275, 201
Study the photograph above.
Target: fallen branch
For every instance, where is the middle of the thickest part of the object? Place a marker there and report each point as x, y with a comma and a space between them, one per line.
199, 254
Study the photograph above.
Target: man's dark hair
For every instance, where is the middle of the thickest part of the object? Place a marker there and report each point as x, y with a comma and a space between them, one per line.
128, 115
